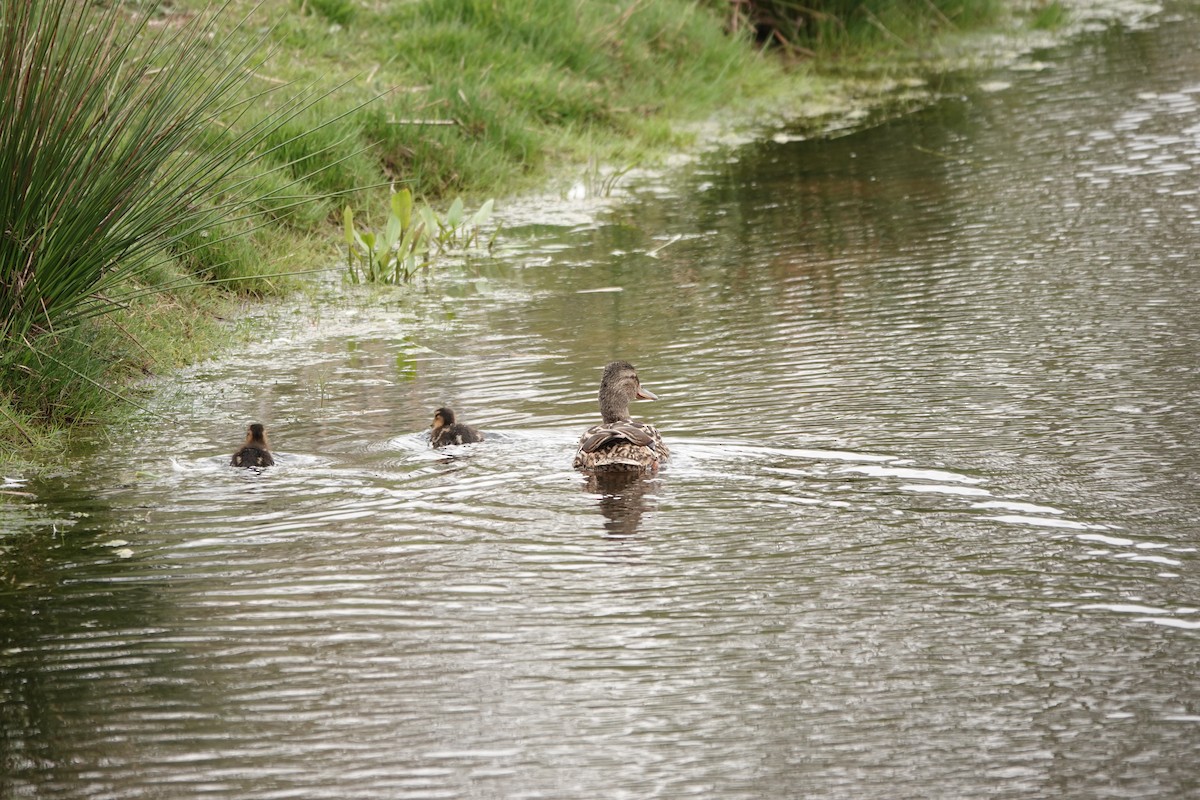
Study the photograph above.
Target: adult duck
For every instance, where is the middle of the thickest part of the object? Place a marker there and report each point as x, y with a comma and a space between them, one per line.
445, 430
255, 452
619, 444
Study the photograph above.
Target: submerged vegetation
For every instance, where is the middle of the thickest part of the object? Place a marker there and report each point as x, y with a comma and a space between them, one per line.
156, 164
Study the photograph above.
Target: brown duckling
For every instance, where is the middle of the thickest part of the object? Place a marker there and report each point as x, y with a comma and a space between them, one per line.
446, 431
255, 452
619, 444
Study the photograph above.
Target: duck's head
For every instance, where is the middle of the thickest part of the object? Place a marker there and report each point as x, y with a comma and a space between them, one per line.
441, 418
256, 434
618, 388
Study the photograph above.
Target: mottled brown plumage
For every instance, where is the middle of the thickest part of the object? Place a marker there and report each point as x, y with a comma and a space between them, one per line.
446, 431
620, 444
255, 452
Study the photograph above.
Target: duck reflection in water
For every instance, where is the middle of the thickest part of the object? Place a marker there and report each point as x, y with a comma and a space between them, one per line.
622, 500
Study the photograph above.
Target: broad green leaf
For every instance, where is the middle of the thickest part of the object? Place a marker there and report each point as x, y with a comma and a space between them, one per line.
402, 206
484, 214
358, 238
392, 233
430, 220
455, 215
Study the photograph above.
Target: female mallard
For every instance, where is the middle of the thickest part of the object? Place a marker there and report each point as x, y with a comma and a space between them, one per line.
619, 444
447, 431
255, 452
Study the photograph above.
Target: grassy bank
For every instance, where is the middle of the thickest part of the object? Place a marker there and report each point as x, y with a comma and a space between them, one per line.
446, 97
488, 97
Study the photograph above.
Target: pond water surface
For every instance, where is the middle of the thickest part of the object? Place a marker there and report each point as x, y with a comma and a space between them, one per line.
930, 528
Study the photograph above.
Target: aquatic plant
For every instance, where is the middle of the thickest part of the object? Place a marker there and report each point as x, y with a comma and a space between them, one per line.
409, 238
125, 146
597, 181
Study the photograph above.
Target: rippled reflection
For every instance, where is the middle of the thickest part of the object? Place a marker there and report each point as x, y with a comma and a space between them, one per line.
928, 528
622, 498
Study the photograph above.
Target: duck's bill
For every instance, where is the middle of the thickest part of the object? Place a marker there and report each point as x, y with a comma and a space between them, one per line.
645, 394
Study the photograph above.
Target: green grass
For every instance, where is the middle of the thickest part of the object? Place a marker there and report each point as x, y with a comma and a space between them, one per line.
489, 97
482, 98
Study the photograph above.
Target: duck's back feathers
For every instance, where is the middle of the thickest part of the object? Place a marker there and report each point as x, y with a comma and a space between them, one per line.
250, 456
621, 447
454, 434
600, 436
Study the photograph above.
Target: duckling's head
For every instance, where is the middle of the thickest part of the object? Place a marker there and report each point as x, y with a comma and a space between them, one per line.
256, 434
442, 417
618, 388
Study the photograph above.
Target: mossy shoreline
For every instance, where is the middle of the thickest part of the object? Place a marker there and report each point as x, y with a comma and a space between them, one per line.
457, 97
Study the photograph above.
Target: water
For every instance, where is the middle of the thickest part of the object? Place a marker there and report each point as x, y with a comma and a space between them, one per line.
929, 529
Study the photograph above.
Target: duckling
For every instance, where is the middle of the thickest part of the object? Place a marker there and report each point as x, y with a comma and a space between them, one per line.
619, 444
255, 451
446, 431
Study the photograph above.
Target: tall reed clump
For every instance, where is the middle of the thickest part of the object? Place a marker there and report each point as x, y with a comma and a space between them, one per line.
125, 145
